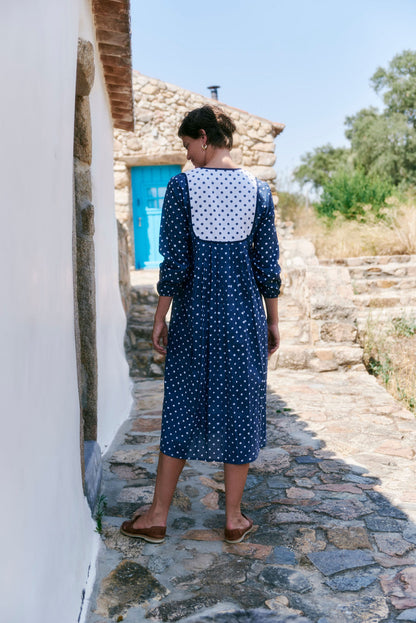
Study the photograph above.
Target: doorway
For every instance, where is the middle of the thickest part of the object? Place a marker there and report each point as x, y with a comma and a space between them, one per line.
148, 191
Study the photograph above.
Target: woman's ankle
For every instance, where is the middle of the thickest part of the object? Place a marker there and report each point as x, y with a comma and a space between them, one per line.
235, 519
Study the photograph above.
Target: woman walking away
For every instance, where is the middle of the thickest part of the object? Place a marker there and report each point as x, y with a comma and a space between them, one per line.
220, 250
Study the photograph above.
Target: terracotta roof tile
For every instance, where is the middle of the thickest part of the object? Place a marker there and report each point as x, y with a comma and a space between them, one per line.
112, 27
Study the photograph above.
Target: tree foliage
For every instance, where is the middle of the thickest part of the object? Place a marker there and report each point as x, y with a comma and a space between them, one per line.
397, 85
383, 148
383, 145
318, 166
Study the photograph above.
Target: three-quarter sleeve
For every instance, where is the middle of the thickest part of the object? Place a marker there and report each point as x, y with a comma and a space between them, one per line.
174, 241
265, 251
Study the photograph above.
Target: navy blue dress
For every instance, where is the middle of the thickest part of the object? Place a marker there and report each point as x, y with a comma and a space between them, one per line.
220, 249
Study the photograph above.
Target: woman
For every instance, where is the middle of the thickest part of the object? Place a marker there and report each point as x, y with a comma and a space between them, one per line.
220, 250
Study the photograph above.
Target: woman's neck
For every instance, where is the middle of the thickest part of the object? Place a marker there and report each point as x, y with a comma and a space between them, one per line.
219, 158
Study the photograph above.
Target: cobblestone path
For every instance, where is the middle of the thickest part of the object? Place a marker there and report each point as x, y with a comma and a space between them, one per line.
332, 496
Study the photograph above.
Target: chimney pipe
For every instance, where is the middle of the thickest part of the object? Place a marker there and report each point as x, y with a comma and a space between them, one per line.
214, 91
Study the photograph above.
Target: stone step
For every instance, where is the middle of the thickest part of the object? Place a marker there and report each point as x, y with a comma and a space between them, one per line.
289, 310
145, 294
377, 271
380, 315
389, 299
295, 332
366, 260
320, 358
382, 283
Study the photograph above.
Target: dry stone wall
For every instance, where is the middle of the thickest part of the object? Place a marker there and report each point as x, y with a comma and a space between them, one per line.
159, 108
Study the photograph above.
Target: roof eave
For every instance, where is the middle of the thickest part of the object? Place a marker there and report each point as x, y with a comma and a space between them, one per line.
113, 34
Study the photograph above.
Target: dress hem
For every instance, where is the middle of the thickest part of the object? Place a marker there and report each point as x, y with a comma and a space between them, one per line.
196, 458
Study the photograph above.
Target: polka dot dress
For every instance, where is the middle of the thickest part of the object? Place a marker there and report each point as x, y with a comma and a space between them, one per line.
221, 253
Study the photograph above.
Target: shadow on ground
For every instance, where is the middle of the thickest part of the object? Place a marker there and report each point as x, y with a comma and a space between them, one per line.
328, 546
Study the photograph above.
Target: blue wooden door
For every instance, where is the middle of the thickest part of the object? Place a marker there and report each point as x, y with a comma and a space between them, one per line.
148, 190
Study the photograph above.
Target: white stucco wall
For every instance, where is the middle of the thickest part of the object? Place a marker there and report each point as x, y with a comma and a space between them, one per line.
48, 533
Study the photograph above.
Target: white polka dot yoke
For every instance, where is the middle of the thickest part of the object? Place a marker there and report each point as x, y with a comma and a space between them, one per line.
221, 253
222, 205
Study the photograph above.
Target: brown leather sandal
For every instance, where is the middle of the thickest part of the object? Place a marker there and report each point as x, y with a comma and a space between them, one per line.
236, 535
155, 534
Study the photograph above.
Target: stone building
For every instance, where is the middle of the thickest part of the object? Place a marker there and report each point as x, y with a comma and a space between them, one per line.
65, 380
146, 158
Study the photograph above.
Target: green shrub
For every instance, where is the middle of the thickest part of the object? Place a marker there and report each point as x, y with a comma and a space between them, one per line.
291, 206
355, 195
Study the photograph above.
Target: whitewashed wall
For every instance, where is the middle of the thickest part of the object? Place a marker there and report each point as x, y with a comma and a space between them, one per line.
48, 534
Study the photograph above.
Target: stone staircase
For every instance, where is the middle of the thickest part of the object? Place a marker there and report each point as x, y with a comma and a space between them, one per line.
384, 287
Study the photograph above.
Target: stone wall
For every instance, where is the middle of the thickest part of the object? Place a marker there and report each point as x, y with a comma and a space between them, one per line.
384, 286
159, 108
123, 266
84, 256
318, 317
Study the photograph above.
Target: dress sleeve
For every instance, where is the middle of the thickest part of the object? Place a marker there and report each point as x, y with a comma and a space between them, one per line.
174, 241
265, 252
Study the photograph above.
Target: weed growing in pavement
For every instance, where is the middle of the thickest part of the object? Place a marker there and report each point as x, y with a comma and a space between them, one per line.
390, 354
99, 513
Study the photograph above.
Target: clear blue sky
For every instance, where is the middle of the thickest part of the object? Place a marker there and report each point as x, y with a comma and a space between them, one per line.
306, 63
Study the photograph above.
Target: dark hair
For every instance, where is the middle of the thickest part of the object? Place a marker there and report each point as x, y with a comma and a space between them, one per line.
218, 126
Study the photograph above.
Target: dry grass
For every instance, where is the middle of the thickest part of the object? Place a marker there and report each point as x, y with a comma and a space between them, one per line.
389, 354
343, 238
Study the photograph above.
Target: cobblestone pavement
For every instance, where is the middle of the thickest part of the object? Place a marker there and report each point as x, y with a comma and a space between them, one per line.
332, 496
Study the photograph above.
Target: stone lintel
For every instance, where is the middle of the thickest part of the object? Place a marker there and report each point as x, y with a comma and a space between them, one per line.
140, 160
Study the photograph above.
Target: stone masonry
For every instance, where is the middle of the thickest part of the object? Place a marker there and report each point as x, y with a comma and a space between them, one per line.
318, 316
384, 286
159, 107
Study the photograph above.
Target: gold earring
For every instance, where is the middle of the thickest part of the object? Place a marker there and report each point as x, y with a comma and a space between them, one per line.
204, 147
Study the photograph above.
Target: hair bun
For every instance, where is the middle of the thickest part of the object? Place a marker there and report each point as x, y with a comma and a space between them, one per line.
219, 127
